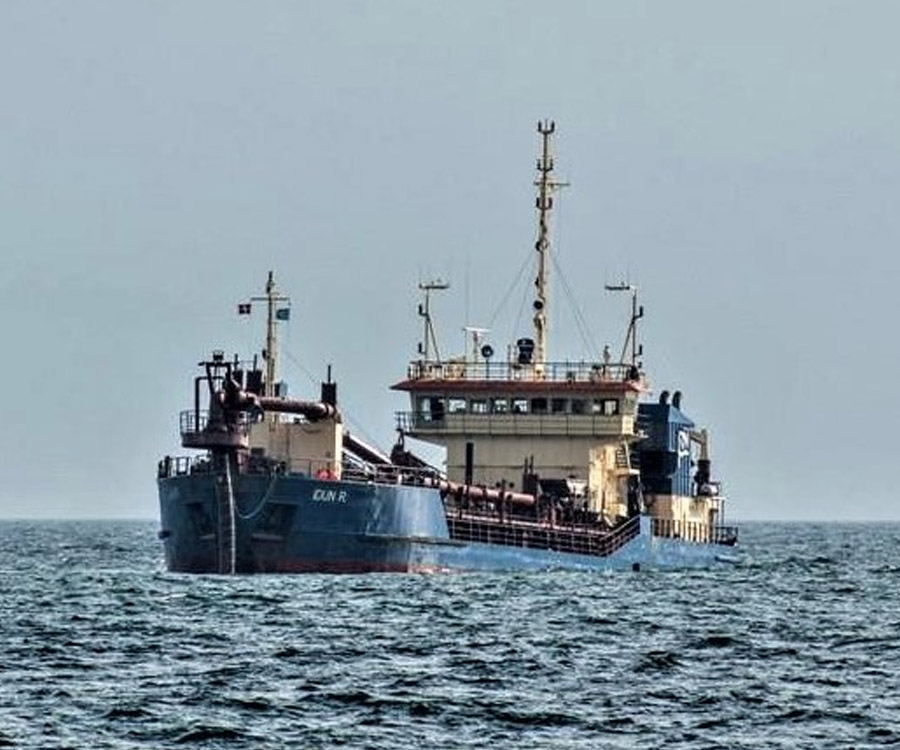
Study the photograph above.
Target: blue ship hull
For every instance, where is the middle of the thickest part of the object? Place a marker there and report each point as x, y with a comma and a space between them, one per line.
295, 524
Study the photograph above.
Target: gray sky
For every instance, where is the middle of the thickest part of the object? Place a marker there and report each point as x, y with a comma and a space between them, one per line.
739, 161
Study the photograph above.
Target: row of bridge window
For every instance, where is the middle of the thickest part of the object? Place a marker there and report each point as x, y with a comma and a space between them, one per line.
437, 406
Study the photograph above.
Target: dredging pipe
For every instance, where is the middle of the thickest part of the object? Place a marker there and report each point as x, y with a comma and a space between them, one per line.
476, 492
233, 397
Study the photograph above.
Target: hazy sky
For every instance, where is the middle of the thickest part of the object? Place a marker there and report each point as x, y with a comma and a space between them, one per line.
739, 161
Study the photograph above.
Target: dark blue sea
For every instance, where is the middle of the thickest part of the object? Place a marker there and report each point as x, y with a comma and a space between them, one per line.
798, 647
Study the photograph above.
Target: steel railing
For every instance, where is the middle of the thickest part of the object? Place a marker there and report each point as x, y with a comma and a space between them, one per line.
580, 540
177, 466
317, 468
693, 531
562, 372
191, 421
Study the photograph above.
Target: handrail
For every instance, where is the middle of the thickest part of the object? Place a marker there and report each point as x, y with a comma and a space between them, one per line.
583, 540
190, 421
565, 372
177, 466
693, 531
171, 466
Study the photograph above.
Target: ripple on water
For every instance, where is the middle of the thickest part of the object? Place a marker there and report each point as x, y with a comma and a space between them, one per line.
796, 648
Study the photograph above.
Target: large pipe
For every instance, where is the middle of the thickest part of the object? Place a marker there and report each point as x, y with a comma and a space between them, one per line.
313, 410
480, 493
234, 397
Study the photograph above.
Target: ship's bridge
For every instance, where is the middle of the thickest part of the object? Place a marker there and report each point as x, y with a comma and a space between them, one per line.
566, 420
487, 398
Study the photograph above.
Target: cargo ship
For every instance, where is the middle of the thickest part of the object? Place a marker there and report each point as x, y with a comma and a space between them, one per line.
549, 464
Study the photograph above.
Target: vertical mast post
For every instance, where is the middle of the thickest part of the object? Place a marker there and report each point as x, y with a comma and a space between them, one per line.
429, 337
544, 204
270, 352
636, 315
271, 338
631, 335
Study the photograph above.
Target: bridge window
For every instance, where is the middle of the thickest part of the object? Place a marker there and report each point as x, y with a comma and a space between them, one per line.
520, 406
539, 405
608, 407
558, 405
430, 408
500, 406
456, 405
478, 406
579, 406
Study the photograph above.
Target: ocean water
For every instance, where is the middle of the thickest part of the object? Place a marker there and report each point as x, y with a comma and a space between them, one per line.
799, 647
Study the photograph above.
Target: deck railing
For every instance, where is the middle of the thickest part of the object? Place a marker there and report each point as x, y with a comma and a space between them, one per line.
562, 372
511, 533
317, 468
690, 531
177, 466
191, 421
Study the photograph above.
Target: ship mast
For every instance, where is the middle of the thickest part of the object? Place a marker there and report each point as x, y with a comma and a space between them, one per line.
271, 338
429, 338
544, 204
273, 315
631, 335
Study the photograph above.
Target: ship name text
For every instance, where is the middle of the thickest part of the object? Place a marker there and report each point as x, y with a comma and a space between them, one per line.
329, 496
